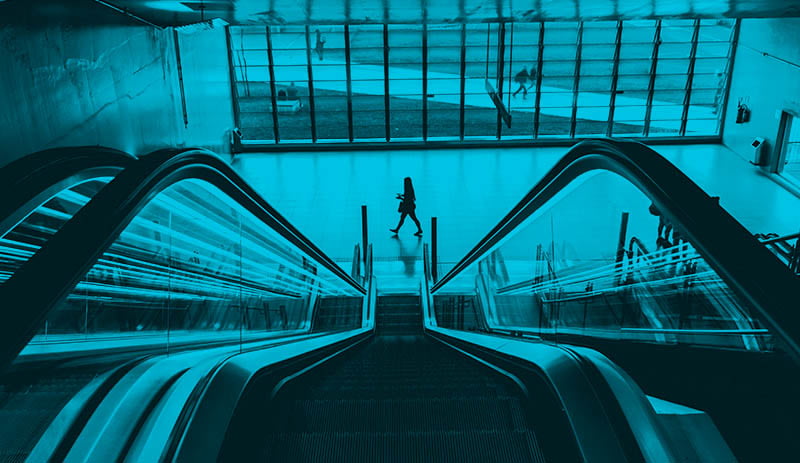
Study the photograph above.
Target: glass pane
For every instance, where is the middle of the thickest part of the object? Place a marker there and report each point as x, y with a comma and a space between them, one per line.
251, 71
24, 239
330, 82
562, 272
791, 150
367, 73
193, 265
405, 82
564, 68
193, 269
291, 82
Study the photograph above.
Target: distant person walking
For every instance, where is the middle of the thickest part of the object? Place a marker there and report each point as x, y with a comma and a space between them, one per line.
522, 78
320, 46
407, 206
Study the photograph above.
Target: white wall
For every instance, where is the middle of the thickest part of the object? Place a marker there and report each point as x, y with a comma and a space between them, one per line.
771, 85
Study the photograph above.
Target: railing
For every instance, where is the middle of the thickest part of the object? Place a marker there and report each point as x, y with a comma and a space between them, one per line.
717, 286
782, 246
177, 248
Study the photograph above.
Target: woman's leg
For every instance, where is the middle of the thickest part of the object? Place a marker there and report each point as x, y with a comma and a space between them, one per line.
413, 215
400, 224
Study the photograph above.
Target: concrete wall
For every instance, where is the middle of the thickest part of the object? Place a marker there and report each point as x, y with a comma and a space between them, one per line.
769, 84
109, 84
206, 83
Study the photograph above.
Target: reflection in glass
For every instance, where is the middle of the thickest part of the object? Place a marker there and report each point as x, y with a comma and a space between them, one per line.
662, 78
24, 239
609, 266
192, 266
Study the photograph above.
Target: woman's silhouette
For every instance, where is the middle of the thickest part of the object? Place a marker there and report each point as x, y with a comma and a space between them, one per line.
407, 206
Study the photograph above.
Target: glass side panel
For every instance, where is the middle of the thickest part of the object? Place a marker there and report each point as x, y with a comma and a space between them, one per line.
601, 265
193, 266
22, 241
192, 270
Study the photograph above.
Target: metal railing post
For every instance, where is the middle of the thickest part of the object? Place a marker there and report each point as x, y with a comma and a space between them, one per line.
364, 235
434, 251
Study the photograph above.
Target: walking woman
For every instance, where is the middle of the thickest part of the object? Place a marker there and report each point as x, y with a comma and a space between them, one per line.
407, 206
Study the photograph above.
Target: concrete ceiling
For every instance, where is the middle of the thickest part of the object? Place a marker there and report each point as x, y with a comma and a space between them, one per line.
174, 12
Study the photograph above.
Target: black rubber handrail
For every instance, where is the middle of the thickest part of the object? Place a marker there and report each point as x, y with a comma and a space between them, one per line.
74, 249
752, 272
30, 181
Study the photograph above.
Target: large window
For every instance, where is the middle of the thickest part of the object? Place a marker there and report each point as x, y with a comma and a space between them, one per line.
495, 81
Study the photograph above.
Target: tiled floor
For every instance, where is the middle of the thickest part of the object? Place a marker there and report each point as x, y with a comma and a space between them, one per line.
469, 190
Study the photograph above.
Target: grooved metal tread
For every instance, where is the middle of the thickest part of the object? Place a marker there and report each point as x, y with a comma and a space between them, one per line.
442, 446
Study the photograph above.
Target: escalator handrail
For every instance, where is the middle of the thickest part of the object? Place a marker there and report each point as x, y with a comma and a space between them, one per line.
744, 263
28, 182
72, 251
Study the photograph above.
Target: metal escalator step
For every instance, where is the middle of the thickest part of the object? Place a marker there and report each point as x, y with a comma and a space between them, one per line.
450, 446
410, 415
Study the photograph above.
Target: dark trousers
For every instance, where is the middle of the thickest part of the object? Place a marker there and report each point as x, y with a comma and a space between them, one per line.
413, 216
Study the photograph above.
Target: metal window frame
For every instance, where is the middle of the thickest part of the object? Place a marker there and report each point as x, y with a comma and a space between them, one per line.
386, 98
501, 62
425, 81
271, 66
179, 67
687, 96
651, 85
734, 43
576, 82
537, 103
349, 78
237, 119
311, 104
614, 80
463, 102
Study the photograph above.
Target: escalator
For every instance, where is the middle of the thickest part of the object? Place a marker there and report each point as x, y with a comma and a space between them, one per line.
172, 314
401, 397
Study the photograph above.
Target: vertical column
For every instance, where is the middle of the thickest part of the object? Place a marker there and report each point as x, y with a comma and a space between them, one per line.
462, 102
651, 85
425, 81
349, 77
237, 120
614, 80
623, 234
687, 96
501, 52
386, 100
364, 233
537, 103
729, 72
434, 251
180, 76
576, 82
272, 90
311, 105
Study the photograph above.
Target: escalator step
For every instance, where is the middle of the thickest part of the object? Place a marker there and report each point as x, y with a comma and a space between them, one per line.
411, 415
455, 446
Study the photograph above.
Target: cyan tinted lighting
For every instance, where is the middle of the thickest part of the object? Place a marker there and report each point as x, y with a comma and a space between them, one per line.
193, 266
590, 79
22, 241
561, 274
272, 86
366, 71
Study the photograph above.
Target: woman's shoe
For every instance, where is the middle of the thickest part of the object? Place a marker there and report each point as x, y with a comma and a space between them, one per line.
419, 233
